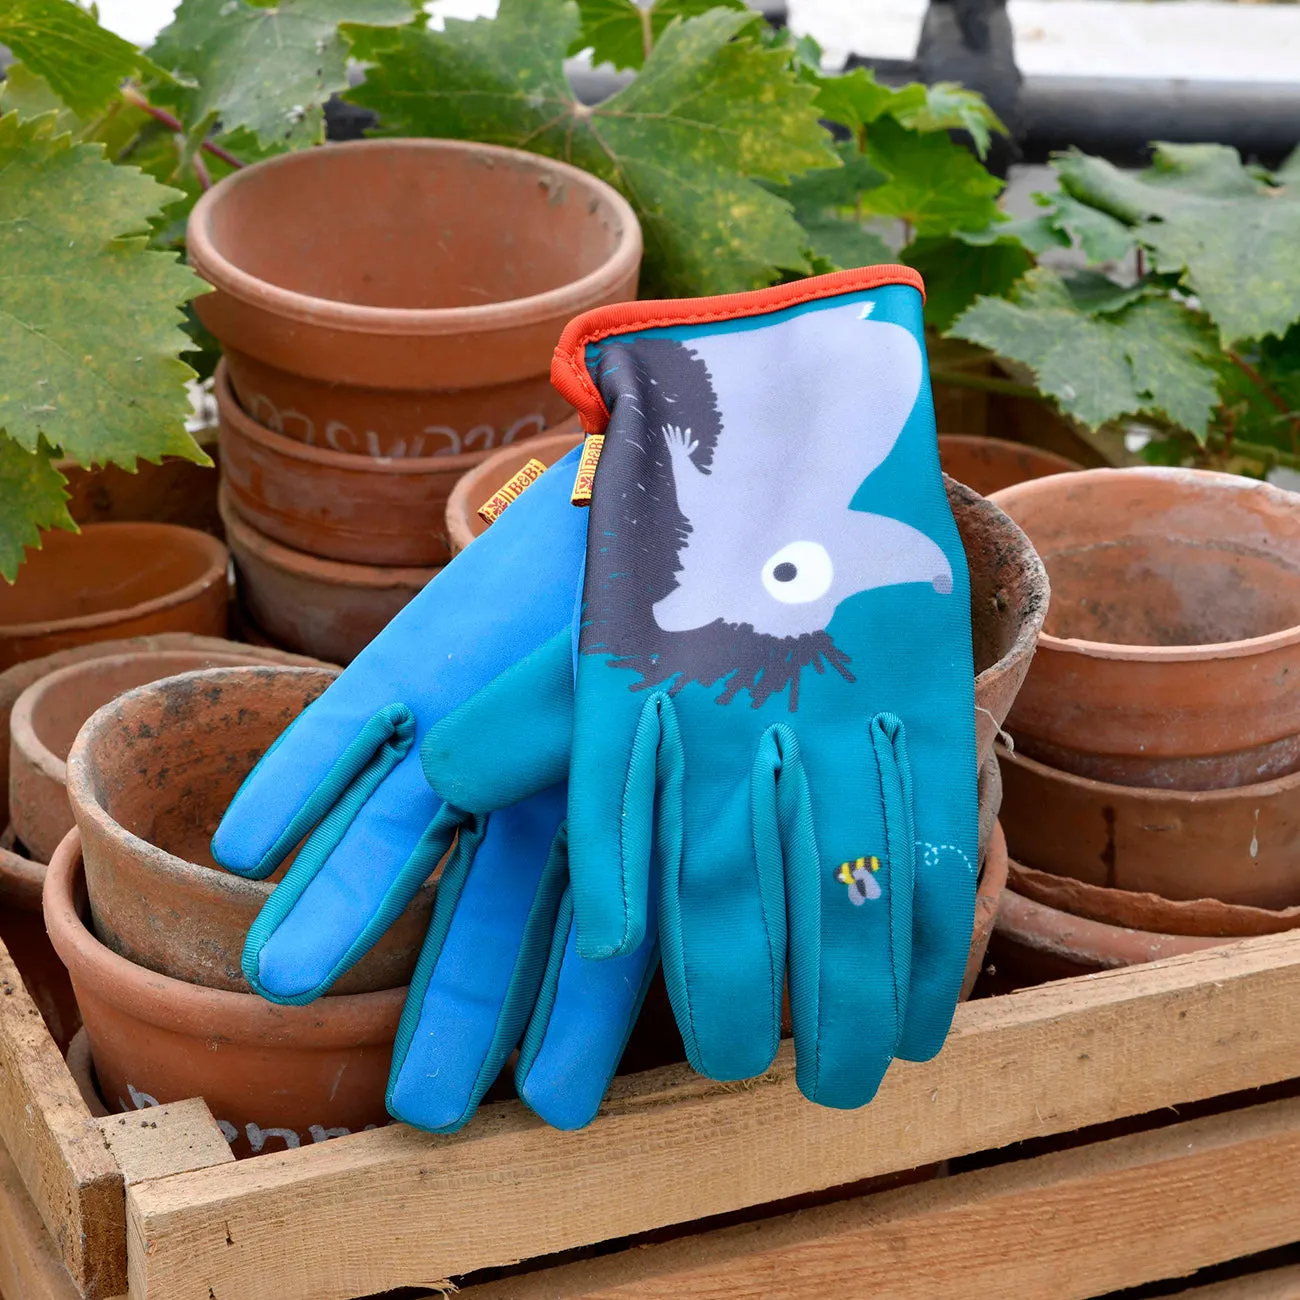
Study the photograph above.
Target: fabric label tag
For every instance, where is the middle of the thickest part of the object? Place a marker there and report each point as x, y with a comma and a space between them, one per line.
586, 477
492, 508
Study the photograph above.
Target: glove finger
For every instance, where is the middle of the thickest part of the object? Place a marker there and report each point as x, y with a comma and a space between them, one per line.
380, 841
723, 921
473, 757
586, 1011
482, 963
850, 917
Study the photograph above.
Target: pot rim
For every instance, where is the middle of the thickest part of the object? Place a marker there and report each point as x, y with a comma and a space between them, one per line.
23, 734
218, 558
1144, 794
85, 803
1010, 444
21, 881
190, 1010
562, 302
243, 537
1157, 654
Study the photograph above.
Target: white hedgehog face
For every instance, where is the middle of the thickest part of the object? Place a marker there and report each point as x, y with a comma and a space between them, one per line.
772, 541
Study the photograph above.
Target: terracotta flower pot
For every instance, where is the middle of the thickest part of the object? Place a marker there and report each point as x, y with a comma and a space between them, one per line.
14, 681
334, 504
1008, 584
1033, 942
988, 464
403, 297
81, 1066
23, 933
1239, 845
1172, 646
49, 713
112, 580
149, 777
273, 1076
988, 900
1205, 917
321, 607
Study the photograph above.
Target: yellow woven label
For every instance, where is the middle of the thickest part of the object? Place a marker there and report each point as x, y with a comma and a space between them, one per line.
492, 508
586, 479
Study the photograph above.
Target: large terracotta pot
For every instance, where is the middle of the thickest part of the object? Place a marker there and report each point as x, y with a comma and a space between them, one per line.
272, 1076
49, 713
403, 297
1034, 942
1240, 845
989, 464
1172, 646
320, 607
1008, 584
149, 777
112, 580
333, 504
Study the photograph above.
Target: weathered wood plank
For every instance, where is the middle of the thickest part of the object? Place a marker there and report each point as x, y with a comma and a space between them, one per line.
1273, 1284
30, 1267
395, 1207
163, 1140
1100, 1218
55, 1146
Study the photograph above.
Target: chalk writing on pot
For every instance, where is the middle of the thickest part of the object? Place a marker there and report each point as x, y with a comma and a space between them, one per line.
258, 1137
432, 440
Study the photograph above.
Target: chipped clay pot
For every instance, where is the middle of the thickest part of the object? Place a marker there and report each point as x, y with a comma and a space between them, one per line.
1171, 651
403, 297
988, 464
149, 778
112, 580
1008, 584
49, 713
332, 504
272, 1076
320, 607
1034, 942
1240, 845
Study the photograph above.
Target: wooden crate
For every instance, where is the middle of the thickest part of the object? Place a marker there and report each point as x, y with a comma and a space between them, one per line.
152, 1202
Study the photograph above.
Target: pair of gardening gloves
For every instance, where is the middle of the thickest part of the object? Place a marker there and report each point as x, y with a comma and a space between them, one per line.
722, 717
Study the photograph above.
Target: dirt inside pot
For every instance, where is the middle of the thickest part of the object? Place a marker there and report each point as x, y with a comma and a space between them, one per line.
428, 236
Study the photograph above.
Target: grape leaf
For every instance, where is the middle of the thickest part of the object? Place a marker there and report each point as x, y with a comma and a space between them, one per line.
1036, 233
934, 184
622, 33
266, 67
957, 272
1263, 394
1101, 236
1149, 357
950, 107
1202, 213
1097, 294
841, 242
90, 325
710, 113
33, 496
83, 63
856, 99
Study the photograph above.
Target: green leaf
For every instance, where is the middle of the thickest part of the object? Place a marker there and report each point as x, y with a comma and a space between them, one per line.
82, 62
1036, 233
1151, 357
90, 328
1098, 295
1102, 237
950, 107
622, 33
957, 272
268, 68
1201, 213
710, 113
1260, 387
841, 242
33, 495
934, 184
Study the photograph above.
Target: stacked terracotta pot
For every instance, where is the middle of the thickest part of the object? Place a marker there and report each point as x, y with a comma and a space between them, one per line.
1152, 801
387, 310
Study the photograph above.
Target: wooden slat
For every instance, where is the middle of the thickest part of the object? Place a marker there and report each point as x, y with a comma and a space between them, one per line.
395, 1207
30, 1267
162, 1140
55, 1146
1273, 1284
1081, 1223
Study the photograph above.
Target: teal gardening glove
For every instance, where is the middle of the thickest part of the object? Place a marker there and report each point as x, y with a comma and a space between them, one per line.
774, 700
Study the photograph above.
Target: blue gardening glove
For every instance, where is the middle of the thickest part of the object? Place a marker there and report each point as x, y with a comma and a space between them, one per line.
499, 961
774, 677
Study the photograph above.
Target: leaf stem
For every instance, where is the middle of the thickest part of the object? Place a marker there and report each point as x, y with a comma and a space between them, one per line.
1279, 403
173, 123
